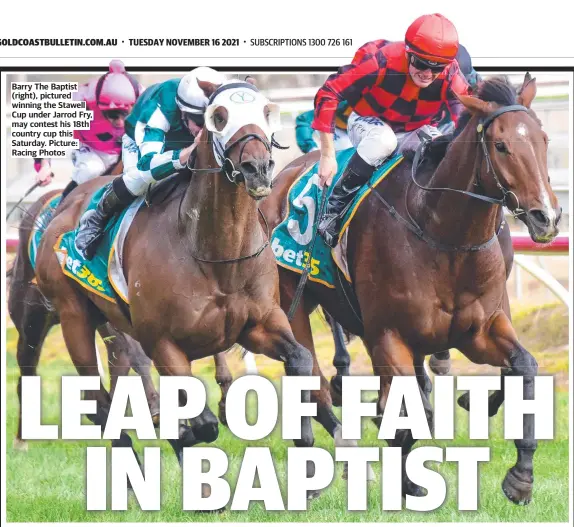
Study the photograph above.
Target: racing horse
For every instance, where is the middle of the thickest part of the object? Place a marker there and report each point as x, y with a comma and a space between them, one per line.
200, 272
33, 318
428, 270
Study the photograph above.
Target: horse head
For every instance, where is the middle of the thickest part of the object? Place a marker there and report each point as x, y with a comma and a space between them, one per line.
241, 123
514, 154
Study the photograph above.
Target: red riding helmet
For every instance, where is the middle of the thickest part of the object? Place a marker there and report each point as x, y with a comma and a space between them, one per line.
117, 89
432, 37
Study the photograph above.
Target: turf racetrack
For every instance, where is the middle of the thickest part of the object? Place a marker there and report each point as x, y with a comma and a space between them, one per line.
47, 483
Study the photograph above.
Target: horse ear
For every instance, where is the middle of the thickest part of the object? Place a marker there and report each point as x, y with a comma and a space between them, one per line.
207, 87
474, 105
250, 80
527, 91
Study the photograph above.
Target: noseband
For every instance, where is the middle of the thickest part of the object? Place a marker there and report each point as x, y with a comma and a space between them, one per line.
235, 176
228, 168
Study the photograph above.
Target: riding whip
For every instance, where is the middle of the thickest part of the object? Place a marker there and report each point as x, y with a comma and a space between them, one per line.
307, 270
29, 191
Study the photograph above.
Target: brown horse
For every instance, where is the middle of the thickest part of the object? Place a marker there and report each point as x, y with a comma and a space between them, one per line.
33, 317
430, 274
201, 276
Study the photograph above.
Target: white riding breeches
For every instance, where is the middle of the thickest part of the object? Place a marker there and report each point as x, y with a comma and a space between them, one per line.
89, 163
375, 140
136, 181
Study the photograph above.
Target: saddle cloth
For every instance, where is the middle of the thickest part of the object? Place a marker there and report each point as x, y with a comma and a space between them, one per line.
292, 238
103, 275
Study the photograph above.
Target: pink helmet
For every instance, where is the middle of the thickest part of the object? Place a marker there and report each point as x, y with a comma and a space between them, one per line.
117, 89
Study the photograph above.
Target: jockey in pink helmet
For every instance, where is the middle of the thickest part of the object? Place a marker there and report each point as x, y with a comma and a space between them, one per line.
111, 98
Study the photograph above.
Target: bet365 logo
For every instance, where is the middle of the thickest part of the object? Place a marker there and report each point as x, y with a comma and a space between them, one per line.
298, 259
82, 272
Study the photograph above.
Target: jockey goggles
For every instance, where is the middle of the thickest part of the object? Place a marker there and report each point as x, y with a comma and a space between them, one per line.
424, 64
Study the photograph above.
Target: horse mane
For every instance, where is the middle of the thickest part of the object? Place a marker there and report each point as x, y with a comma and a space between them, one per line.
498, 90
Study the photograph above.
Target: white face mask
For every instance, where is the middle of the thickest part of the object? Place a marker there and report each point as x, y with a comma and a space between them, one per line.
245, 105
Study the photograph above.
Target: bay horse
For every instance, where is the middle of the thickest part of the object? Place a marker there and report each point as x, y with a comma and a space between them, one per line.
33, 318
200, 272
428, 271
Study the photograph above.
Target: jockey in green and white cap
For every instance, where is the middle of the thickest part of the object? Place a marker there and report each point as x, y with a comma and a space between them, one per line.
160, 136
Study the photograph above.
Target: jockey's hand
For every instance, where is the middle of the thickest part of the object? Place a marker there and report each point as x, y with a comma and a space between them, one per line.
327, 169
44, 175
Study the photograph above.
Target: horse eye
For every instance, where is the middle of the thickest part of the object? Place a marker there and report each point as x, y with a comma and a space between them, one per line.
218, 119
501, 147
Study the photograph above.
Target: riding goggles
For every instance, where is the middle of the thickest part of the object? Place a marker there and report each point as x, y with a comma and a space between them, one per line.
424, 64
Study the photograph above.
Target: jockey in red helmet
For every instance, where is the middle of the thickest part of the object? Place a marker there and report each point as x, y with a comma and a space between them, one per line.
395, 89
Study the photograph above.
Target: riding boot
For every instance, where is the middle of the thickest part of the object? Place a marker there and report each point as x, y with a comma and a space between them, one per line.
69, 187
93, 223
356, 174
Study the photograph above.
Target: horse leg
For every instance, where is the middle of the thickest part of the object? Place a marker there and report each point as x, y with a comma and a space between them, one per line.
118, 361
273, 337
423, 379
341, 361
32, 327
498, 345
79, 332
496, 399
125, 353
224, 379
170, 359
392, 357
440, 363
142, 364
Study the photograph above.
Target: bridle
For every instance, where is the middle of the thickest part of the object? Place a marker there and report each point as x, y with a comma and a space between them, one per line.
234, 176
228, 167
481, 129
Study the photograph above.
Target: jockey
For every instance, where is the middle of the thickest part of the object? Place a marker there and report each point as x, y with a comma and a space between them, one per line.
395, 90
161, 133
307, 138
111, 98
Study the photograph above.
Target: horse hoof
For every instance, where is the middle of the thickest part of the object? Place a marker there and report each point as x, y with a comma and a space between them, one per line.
20, 445
516, 489
464, 401
155, 420
439, 366
412, 489
312, 494
336, 388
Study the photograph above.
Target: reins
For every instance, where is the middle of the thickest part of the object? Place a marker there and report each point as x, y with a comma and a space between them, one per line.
412, 225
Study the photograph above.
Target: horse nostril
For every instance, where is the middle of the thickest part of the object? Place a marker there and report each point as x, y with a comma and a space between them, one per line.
249, 168
540, 217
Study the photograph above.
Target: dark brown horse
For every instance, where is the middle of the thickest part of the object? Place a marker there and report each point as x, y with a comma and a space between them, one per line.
201, 276
438, 279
